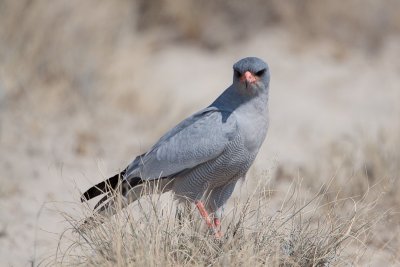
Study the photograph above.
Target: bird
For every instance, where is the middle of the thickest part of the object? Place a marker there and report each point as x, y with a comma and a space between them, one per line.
203, 157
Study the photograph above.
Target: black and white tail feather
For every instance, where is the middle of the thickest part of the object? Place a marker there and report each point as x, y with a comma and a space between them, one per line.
111, 188
123, 188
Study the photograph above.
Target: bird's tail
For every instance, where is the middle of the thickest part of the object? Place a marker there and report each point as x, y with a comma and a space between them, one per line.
104, 187
110, 188
119, 187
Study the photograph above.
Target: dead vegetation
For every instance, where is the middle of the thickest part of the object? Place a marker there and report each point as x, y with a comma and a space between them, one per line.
365, 170
302, 232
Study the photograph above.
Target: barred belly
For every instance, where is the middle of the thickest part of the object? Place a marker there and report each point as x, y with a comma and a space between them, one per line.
231, 165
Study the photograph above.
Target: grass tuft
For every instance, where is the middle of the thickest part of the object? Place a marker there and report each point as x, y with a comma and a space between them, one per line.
302, 232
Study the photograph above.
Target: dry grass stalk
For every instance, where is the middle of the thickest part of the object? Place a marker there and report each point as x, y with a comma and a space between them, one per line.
304, 232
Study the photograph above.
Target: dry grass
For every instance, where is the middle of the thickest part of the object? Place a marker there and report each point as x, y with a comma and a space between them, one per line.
367, 170
302, 232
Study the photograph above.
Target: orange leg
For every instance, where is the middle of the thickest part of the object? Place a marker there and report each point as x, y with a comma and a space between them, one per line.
217, 222
204, 213
217, 225
206, 217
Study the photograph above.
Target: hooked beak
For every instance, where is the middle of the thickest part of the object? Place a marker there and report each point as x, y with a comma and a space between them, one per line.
248, 78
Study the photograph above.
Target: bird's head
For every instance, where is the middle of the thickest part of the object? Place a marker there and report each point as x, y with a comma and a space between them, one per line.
251, 76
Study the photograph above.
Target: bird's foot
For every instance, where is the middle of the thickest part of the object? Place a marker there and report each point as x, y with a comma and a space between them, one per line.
217, 228
214, 226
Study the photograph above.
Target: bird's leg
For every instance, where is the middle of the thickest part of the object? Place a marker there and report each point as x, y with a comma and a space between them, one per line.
217, 226
204, 213
217, 222
206, 217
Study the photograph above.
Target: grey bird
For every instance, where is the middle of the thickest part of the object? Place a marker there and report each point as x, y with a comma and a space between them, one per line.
205, 155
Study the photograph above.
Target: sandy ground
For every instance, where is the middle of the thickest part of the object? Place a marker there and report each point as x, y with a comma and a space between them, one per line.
319, 94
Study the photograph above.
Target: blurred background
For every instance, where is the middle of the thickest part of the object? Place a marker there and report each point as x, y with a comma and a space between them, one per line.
87, 85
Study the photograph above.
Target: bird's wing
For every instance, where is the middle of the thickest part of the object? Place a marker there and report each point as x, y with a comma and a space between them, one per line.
201, 137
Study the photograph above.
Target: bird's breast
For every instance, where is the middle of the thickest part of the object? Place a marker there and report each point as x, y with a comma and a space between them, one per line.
253, 127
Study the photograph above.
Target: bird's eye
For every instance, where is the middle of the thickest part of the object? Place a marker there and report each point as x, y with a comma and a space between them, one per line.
237, 73
261, 72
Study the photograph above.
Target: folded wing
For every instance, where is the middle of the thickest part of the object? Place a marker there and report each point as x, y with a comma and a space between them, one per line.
198, 139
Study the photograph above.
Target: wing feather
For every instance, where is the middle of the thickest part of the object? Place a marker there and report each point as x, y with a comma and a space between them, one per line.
198, 139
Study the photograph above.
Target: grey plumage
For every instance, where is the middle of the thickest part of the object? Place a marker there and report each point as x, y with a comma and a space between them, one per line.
207, 152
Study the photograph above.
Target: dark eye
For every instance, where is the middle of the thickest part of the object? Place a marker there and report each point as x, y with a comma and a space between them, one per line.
261, 72
237, 73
